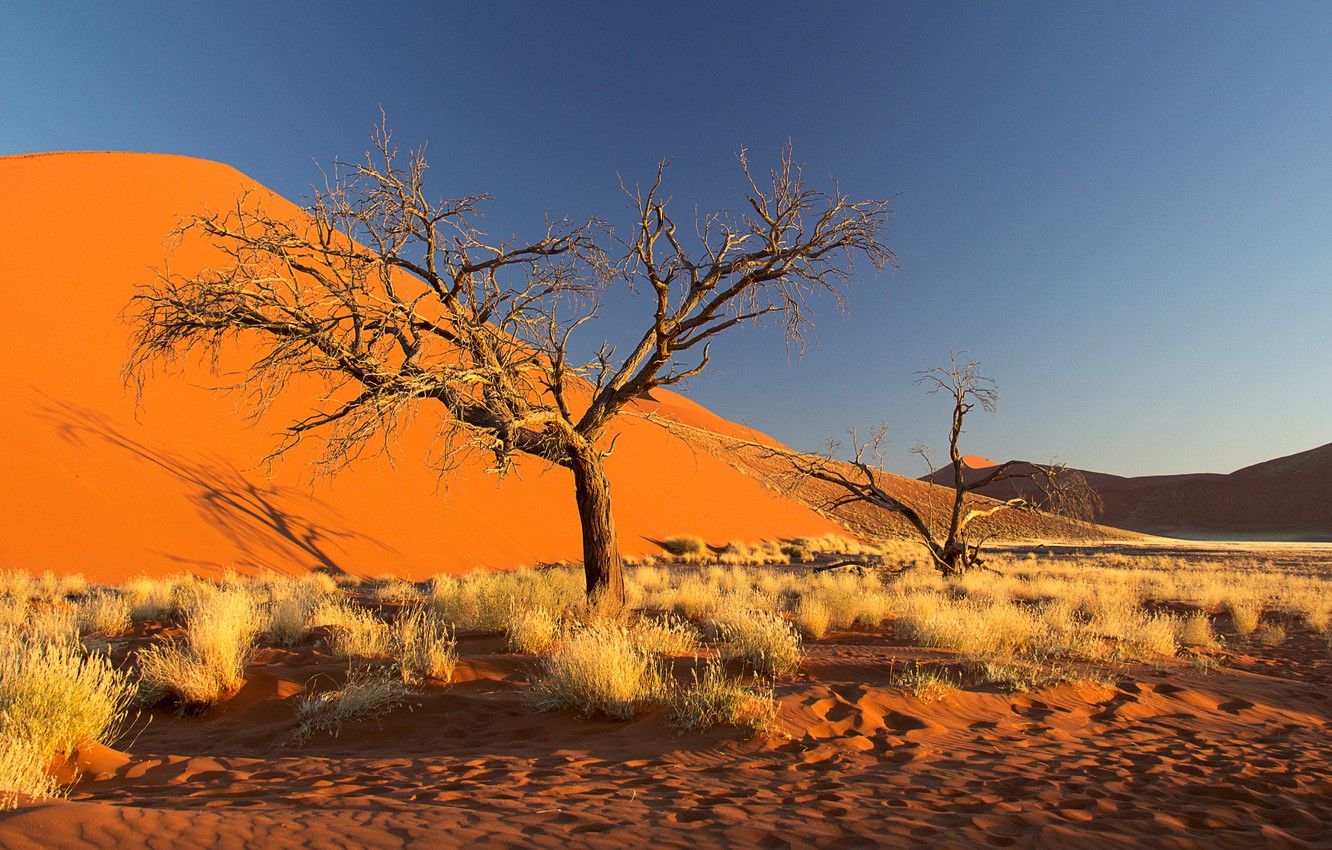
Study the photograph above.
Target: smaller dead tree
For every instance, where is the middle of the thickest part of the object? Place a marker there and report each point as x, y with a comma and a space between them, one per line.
953, 540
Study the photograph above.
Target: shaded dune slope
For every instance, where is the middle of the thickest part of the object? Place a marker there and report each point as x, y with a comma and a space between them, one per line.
94, 486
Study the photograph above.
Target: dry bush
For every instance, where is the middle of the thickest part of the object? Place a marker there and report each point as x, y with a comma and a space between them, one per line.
764, 641
484, 601
665, 635
288, 619
24, 771
599, 669
366, 695
208, 665
394, 590
54, 625
716, 698
1244, 615
927, 684
423, 646
1196, 630
813, 617
59, 697
695, 598
532, 631
689, 548
1270, 634
151, 600
104, 614
353, 632
16, 584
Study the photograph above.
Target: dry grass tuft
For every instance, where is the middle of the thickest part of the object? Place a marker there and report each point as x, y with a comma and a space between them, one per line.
532, 631
599, 669
104, 614
353, 632
689, 548
715, 699
423, 646
208, 665
1196, 630
928, 684
764, 641
366, 695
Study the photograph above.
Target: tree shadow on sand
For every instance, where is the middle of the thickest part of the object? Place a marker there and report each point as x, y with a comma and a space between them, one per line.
272, 526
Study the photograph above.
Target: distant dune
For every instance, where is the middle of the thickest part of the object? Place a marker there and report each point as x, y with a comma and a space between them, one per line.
1289, 498
92, 486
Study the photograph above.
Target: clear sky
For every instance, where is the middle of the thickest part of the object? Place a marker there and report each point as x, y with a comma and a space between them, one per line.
1123, 210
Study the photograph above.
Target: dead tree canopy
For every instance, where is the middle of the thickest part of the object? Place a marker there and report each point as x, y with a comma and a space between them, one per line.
951, 536
389, 298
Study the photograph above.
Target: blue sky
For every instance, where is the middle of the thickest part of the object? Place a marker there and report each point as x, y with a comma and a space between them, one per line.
1123, 210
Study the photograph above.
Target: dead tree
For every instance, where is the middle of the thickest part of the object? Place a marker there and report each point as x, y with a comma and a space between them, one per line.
952, 542
382, 299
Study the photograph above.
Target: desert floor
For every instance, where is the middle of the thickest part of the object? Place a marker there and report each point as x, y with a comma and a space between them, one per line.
1172, 754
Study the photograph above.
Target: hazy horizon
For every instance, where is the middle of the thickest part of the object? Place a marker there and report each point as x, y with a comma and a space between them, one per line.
1121, 210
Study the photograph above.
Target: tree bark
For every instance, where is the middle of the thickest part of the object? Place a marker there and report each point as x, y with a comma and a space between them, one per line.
601, 545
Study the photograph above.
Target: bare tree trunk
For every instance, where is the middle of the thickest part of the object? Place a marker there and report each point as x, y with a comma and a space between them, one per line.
601, 545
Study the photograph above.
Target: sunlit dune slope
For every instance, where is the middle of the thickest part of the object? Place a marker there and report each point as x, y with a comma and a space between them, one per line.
89, 485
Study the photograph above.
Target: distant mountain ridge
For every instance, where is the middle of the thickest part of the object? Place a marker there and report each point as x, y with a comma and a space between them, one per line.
1287, 498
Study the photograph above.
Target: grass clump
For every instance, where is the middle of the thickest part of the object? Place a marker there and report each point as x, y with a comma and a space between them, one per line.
689, 548
1270, 634
104, 614
599, 669
207, 666
764, 641
665, 635
354, 632
532, 631
366, 695
716, 699
423, 646
813, 617
927, 684
1244, 615
54, 698
1196, 630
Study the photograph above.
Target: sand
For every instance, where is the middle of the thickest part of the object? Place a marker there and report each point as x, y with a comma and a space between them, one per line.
93, 485
1167, 756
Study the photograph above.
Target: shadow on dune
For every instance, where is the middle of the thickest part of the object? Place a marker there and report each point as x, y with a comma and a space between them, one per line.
270, 525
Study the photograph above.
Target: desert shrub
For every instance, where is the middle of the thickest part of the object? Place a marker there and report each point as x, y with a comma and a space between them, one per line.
54, 625
696, 598
1244, 615
813, 617
14, 613
1147, 635
1270, 634
532, 630
395, 590
928, 684
23, 771
762, 640
366, 695
150, 600
207, 665
1196, 630
58, 697
288, 619
104, 614
423, 646
599, 669
1026, 677
484, 601
665, 635
689, 548
716, 698
353, 632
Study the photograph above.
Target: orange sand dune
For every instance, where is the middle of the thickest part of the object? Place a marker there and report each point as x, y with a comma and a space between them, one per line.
89, 486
